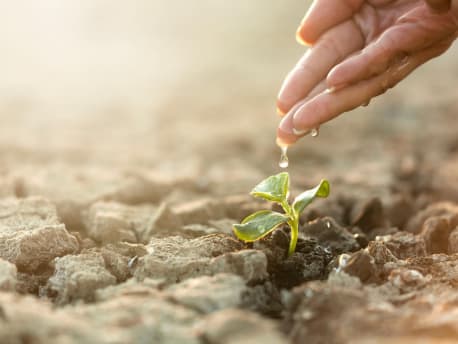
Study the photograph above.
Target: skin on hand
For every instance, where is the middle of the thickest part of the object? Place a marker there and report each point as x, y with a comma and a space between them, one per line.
359, 49
439, 5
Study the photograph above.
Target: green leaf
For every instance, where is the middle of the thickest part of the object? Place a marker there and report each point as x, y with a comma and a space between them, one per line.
275, 188
258, 225
305, 198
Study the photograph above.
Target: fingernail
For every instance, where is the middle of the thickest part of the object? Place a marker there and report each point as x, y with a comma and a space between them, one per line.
299, 38
285, 125
300, 132
285, 138
280, 112
281, 143
296, 120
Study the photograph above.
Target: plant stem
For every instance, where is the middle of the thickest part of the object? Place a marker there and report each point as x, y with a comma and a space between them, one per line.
294, 225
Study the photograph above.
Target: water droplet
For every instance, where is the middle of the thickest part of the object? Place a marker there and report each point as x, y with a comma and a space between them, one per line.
342, 261
315, 132
132, 262
283, 157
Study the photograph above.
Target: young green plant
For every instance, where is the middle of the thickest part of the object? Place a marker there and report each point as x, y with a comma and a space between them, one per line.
276, 189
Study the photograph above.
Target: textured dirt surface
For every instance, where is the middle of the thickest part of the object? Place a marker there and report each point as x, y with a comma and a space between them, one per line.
128, 150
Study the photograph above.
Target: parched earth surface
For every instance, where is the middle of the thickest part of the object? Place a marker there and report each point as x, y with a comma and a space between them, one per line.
116, 211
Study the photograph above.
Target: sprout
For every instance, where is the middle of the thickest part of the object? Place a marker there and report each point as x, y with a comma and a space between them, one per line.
276, 189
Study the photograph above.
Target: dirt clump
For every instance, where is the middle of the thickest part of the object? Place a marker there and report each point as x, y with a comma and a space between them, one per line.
308, 262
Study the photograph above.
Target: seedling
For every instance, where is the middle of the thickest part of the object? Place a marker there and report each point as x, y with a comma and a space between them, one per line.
276, 189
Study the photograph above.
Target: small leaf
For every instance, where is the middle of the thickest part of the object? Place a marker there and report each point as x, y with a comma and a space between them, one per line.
275, 188
305, 198
258, 225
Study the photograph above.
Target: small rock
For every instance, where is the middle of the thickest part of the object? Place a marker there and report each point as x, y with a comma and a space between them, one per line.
342, 279
108, 222
445, 180
324, 313
360, 237
8, 276
368, 215
233, 326
330, 234
127, 249
406, 278
453, 242
116, 264
265, 299
33, 248
25, 214
147, 288
176, 259
30, 233
447, 209
380, 252
250, 264
435, 232
399, 210
33, 283
404, 244
84, 243
162, 222
78, 276
209, 294
360, 264
199, 211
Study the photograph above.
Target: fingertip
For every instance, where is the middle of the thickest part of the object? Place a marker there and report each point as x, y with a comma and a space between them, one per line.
304, 36
336, 77
300, 38
306, 117
284, 138
282, 108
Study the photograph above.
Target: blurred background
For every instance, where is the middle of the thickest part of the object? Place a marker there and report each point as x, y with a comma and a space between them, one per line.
188, 88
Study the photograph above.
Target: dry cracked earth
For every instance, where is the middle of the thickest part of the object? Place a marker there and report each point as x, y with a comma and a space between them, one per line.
127, 258
115, 216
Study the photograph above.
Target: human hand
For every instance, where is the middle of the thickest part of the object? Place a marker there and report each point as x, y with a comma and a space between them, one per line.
359, 49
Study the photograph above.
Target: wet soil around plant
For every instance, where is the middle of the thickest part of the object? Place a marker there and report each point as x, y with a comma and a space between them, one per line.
117, 195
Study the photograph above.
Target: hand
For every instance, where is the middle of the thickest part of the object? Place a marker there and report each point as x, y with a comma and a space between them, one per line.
359, 49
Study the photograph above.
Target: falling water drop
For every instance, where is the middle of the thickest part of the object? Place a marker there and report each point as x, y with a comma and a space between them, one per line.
315, 132
283, 157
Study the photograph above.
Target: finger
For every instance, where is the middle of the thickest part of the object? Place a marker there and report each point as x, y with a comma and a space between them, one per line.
286, 134
323, 15
332, 48
402, 39
326, 106
439, 5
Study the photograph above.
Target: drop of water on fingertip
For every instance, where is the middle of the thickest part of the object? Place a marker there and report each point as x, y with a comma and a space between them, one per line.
284, 157
315, 132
